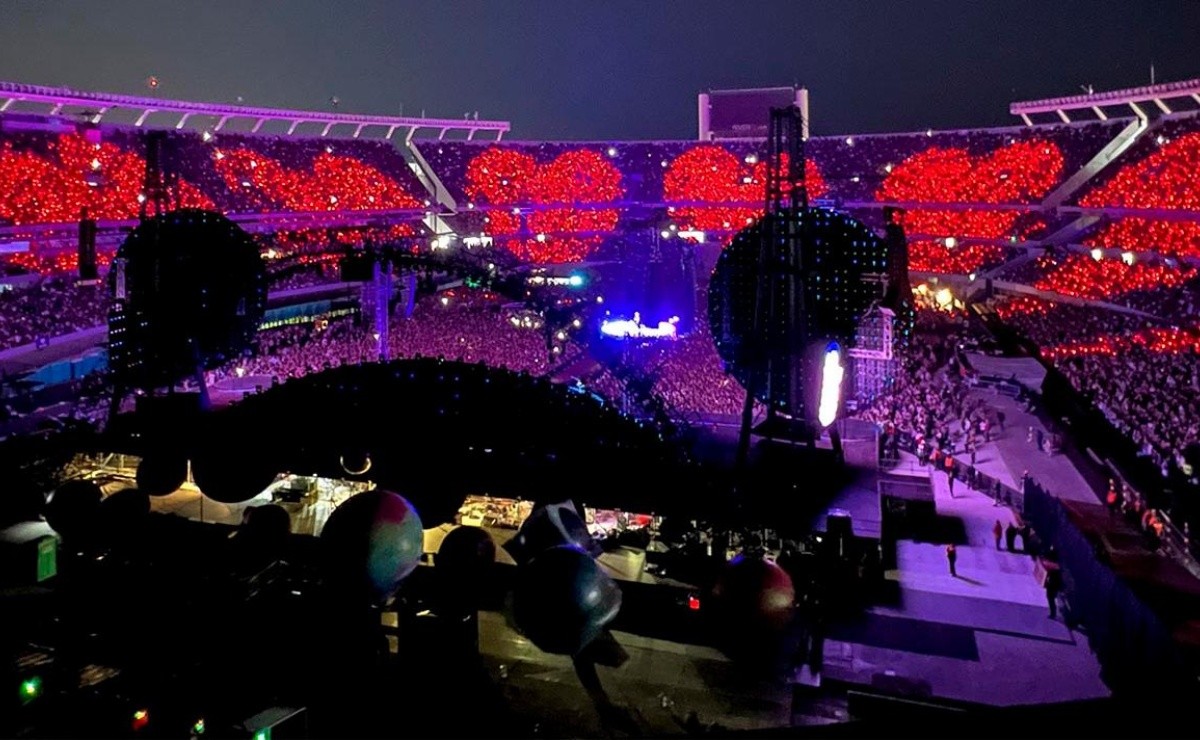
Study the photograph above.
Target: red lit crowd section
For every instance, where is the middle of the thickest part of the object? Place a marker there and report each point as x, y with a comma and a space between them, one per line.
736, 188
68, 176
1167, 179
1082, 276
1019, 173
331, 183
546, 211
1015, 174
718, 188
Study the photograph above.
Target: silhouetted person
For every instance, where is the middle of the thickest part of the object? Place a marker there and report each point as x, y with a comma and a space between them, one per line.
1053, 587
952, 558
998, 532
1010, 537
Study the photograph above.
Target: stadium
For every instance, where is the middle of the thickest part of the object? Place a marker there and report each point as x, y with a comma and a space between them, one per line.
458, 417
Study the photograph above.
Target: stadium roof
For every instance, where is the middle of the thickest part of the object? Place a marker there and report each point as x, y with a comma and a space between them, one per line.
98, 104
1096, 101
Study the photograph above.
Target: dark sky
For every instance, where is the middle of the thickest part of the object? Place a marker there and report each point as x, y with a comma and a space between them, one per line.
619, 69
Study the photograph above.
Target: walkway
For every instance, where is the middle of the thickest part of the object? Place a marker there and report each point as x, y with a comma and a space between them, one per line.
984, 636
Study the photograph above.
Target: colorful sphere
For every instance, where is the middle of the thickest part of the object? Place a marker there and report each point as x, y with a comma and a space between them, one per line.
755, 594
563, 600
374, 541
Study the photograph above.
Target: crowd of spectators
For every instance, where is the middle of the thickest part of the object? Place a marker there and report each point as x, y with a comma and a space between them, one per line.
928, 400
1141, 372
685, 373
49, 308
1049, 323
1160, 171
453, 327
1150, 393
845, 168
1106, 279
53, 178
1001, 166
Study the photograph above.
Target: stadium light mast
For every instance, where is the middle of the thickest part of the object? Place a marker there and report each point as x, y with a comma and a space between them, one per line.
778, 289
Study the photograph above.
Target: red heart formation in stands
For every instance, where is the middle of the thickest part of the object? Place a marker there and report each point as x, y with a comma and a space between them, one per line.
712, 174
1166, 179
579, 177
1021, 172
332, 183
74, 174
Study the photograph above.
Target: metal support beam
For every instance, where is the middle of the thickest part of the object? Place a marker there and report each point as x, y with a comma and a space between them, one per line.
1196, 97
1099, 113
292, 128
182, 121
1063, 115
1137, 111
1025, 118
257, 125
56, 109
142, 118
391, 130
1162, 106
75, 99
471, 134
220, 123
442, 134
358, 130
99, 114
328, 126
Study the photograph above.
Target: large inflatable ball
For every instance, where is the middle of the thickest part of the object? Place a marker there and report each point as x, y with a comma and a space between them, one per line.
123, 513
563, 600
161, 473
373, 541
757, 591
72, 509
23, 499
268, 523
754, 606
464, 564
551, 525
233, 466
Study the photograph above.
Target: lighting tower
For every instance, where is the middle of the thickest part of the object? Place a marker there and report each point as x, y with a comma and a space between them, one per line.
779, 326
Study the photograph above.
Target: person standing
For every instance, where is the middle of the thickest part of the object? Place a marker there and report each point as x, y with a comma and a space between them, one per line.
998, 532
1053, 587
1113, 499
952, 558
1010, 537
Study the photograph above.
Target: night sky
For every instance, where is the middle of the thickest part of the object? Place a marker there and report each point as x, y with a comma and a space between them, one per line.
607, 69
